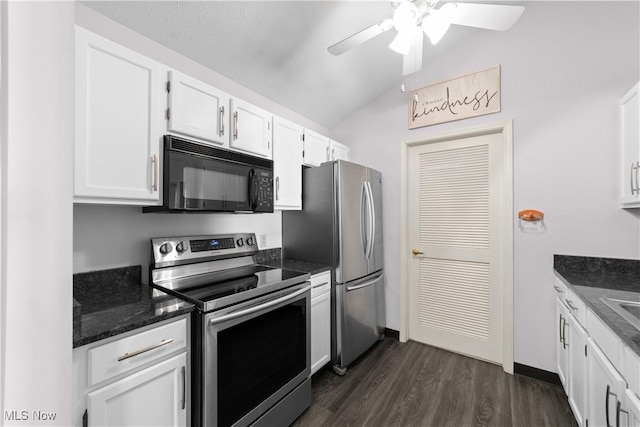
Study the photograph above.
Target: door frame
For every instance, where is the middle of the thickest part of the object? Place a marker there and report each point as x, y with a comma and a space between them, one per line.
506, 129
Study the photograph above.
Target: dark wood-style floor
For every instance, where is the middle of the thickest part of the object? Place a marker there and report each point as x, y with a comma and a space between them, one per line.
412, 384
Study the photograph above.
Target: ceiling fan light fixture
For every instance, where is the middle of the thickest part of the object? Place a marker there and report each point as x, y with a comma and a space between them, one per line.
435, 26
437, 23
402, 42
405, 16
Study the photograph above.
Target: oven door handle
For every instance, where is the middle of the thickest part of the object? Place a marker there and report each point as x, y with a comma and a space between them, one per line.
244, 312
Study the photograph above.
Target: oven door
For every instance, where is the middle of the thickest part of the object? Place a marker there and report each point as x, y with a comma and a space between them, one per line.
254, 354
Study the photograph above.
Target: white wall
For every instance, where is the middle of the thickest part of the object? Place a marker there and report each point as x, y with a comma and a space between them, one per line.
564, 67
108, 237
36, 219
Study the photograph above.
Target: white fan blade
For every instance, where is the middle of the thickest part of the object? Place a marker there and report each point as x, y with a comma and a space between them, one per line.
490, 16
361, 37
412, 62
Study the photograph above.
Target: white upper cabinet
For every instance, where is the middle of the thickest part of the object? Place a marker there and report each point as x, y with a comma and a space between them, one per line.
287, 164
118, 123
250, 129
316, 148
630, 112
338, 151
197, 109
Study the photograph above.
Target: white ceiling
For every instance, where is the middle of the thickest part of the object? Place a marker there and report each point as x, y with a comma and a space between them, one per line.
279, 48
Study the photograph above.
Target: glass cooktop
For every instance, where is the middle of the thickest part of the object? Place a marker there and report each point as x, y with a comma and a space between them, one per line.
219, 289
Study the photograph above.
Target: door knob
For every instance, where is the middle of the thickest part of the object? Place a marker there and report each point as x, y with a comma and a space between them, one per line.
416, 252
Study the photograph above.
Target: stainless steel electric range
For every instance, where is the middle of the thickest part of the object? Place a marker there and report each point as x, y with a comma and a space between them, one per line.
250, 342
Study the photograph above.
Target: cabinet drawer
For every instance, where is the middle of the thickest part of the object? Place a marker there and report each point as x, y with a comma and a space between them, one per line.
320, 284
134, 351
561, 289
608, 342
576, 306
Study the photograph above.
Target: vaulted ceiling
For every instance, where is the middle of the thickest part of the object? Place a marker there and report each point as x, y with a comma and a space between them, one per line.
279, 48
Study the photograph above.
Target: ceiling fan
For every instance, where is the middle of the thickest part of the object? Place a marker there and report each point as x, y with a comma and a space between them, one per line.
414, 18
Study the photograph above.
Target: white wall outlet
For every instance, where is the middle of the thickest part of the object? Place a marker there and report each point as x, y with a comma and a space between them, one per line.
263, 241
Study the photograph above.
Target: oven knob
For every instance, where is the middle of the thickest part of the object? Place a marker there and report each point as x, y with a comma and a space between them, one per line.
250, 241
181, 247
240, 242
166, 248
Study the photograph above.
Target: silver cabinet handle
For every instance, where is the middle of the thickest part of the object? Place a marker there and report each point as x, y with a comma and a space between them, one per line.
184, 387
571, 306
320, 284
557, 288
564, 335
636, 176
144, 350
222, 120
277, 188
606, 403
560, 328
235, 125
619, 410
154, 161
244, 312
327, 154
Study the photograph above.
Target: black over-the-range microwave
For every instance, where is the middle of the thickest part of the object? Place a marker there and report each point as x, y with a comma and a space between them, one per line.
201, 178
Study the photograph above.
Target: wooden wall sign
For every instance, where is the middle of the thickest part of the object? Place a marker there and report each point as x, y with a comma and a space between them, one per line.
468, 96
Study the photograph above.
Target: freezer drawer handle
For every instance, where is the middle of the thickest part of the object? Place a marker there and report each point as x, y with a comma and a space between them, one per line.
364, 285
255, 308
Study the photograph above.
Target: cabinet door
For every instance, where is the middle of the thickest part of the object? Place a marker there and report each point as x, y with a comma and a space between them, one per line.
250, 129
197, 109
287, 164
156, 396
339, 151
118, 123
562, 355
576, 342
631, 410
320, 321
605, 387
316, 148
630, 112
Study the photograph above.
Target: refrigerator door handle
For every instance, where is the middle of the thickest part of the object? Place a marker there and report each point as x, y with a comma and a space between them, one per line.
372, 221
363, 285
364, 229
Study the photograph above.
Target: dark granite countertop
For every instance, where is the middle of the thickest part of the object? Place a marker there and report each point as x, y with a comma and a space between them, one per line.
296, 265
595, 278
111, 302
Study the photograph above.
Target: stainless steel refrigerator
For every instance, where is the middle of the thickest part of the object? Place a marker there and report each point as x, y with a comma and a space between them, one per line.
341, 225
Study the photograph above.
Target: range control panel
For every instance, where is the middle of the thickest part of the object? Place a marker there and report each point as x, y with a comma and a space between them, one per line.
190, 249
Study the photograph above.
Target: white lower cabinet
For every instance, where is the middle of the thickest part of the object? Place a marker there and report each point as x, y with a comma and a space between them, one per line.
576, 342
632, 415
599, 373
605, 387
140, 378
320, 320
156, 396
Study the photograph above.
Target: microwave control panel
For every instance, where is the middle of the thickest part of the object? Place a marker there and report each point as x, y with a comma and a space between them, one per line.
262, 201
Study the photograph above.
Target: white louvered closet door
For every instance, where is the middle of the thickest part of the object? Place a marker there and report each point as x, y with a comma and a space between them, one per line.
455, 205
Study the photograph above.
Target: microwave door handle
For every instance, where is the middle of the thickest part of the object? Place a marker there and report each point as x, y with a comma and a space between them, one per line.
252, 199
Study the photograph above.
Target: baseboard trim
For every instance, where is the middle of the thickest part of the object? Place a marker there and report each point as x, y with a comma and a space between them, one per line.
392, 333
538, 374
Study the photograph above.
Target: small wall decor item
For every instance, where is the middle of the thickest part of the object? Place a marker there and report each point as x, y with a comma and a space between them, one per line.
460, 98
531, 221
